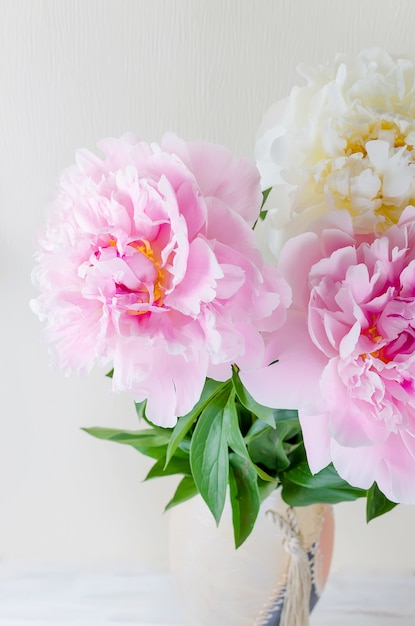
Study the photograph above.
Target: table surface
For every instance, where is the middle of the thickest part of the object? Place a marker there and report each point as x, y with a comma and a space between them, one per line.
70, 596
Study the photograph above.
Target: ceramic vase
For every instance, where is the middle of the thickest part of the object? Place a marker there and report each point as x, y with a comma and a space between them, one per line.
220, 586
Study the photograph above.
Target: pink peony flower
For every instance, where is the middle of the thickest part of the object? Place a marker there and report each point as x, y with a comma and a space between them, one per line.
347, 352
148, 264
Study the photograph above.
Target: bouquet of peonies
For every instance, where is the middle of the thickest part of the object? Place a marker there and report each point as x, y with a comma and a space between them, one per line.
264, 347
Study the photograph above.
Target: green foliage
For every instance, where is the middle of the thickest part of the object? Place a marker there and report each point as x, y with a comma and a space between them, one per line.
377, 503
152, 443
186, 489
178, 465
271, 446
185, 423
300, 487
261, 412
245, 498
140, 408
263, 212
209, 455
228, 443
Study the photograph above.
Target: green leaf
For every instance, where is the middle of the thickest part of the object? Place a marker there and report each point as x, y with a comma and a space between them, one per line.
209, 454
256, 430
177, 466
244, 497
263, 213
266, 488
261, 412
269, 478
148, 441
288, 415
180, 431
236, 441
140, 408
300, 487
272, 448
159, 436
186, 489
268, 451
185, 423
265, 195
377, 503
286, 423
234, 435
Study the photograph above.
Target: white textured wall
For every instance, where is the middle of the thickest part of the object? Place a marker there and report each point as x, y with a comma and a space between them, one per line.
71, 72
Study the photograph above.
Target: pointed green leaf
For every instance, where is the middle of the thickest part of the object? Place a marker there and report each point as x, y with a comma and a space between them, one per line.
272, 448
236, 441
130, 437
234, 435
244, 496
265, 195
180, 431
148, 442
186, 489
140, 408
185, 423
287, 415
268, 451
265, 476
177, 466
263, 212
300, 487
266, 488
257, 429
209, 455
285, 422
262, 412
377, 503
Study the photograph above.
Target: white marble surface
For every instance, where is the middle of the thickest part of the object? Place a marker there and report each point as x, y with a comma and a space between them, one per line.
70, 596
366, 601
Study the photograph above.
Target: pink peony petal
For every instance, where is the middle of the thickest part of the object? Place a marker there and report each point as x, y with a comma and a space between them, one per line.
222, 178
316, 437
294, 380
199, 284
148, 262
354, 342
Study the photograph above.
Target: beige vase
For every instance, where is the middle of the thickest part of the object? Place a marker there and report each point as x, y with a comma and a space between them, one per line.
218, 585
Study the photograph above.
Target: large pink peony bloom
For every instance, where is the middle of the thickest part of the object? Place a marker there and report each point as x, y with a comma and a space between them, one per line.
148, 264
347, 352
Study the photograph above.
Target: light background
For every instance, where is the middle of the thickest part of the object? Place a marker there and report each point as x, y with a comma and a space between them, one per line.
71, 72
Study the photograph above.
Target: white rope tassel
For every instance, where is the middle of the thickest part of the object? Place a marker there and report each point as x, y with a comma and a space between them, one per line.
296, 608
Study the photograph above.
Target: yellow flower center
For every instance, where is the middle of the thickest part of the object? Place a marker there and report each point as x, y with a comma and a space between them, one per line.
373, 334
357, 144
144, 247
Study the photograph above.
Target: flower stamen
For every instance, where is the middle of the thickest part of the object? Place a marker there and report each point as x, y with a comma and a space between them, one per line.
377, 130
380, 353
156, 297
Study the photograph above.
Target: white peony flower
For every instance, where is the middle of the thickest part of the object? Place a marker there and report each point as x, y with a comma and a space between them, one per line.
345, 140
